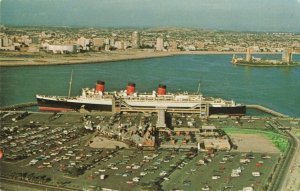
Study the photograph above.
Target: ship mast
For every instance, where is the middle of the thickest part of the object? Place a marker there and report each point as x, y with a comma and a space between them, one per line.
198, 91
200, 103
70, 84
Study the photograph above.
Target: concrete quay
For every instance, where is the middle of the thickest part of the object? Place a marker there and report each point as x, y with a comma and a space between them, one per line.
18, 106
266, 110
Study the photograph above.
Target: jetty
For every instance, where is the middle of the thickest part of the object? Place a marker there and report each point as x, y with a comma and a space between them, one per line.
18, 106
31, 104
266, 110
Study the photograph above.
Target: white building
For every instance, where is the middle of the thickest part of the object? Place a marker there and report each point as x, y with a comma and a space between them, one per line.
120, 45
5, 41
61, 49
159, 44
135, 40
106, 41
84, 43
112, 42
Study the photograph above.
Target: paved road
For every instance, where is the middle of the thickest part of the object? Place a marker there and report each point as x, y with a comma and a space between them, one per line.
33, 185
292, 180
282, 172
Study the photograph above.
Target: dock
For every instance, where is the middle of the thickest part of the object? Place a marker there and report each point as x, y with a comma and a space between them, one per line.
18, 106
266, 110
125, 109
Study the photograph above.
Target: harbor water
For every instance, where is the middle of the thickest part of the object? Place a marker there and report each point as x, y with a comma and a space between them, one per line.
277, 88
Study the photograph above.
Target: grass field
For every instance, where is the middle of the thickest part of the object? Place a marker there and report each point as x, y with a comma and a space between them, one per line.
11, 187
280, 141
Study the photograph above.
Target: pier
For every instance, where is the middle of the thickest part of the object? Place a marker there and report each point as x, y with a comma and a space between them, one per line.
258, 107
161, 119
18, 106
266, 110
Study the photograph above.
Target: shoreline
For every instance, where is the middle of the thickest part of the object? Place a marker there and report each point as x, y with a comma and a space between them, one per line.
99, 57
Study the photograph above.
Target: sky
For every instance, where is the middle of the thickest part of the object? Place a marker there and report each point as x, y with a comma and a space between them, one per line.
234, 15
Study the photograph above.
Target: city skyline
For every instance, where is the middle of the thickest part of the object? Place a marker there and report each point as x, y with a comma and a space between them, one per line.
244, 15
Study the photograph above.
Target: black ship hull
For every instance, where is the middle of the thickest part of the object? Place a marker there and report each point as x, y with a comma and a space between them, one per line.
59, 105
229, 110
62, 105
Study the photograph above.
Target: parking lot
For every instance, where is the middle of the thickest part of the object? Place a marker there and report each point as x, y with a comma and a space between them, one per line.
55, 149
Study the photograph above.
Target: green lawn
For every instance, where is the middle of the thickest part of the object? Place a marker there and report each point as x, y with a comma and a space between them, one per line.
280, 141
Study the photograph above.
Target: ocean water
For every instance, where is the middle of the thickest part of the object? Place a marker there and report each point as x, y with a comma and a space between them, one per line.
275, 87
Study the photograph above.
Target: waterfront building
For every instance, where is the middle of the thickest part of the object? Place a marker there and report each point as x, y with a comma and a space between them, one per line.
26, 40
112, 42
84, 43
61, 49
159, 44
120, 45
98, 42
172, 46
5, 41
135, 40
190, 47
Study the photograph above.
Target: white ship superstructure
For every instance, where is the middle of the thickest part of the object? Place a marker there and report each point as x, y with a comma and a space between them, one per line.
130, 100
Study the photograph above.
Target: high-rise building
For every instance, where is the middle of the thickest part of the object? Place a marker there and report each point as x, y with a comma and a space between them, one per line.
287, 55
159, 44
120, 45
5, 41
135, 40
172, 46
84, 43
112, 41
98, 42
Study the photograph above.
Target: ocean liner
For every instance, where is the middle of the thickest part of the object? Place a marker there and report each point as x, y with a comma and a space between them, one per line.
97, 99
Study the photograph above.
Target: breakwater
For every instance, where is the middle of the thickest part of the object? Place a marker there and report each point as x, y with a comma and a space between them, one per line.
18, 106
266, 110
31, 104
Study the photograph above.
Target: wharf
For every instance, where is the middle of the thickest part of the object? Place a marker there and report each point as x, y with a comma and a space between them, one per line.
204, 107
18, 106
267, 110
